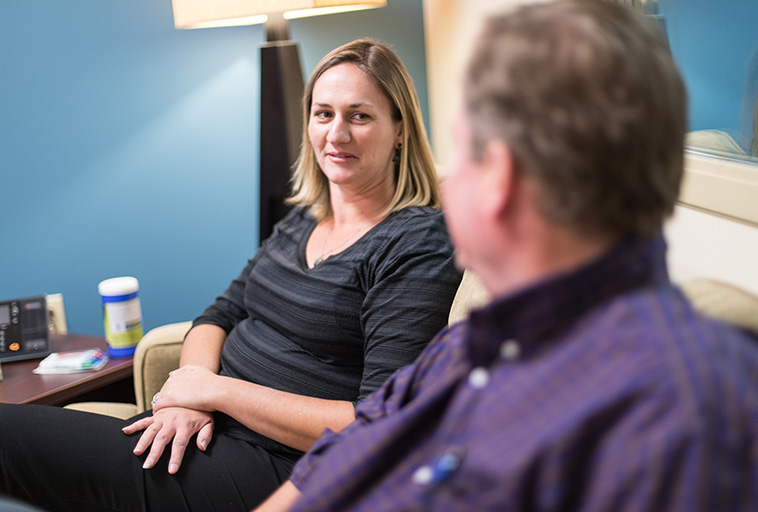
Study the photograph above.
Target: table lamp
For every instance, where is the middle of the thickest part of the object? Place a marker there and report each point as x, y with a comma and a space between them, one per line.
281, 80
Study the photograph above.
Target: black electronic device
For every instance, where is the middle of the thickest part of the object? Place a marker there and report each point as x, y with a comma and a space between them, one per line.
24, 332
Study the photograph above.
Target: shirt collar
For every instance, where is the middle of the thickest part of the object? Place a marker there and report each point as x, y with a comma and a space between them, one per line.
538, 315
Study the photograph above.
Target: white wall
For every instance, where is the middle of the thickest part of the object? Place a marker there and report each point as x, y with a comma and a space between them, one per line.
704, 244
451, 27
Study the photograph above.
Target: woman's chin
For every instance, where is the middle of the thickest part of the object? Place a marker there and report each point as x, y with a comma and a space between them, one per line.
340, 176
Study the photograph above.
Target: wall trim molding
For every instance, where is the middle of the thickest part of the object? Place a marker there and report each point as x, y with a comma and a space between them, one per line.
722, 186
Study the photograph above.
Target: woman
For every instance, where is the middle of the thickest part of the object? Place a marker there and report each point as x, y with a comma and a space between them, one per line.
351, 285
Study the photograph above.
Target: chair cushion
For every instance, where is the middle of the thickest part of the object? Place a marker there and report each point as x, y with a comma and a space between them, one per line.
115, 409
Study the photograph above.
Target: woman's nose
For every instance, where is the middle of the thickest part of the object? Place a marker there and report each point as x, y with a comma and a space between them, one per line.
339, 132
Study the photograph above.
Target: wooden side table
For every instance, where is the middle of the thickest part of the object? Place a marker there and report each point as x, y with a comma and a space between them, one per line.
112, 383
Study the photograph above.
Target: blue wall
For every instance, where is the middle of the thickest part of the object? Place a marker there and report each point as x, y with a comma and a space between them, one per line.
715, 43
130, 148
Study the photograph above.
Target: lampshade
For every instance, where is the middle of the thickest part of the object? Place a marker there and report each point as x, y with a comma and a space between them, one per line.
225, 13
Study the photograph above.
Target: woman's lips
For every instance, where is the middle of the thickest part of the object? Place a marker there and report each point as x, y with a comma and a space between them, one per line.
340, 157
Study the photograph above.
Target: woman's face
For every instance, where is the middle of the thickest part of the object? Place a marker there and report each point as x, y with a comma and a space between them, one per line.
351, 129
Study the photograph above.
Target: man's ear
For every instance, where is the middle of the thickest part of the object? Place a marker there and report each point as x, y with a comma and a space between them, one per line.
499, 182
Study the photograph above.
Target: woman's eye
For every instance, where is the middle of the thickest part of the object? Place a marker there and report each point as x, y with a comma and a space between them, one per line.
361, 117
322, 115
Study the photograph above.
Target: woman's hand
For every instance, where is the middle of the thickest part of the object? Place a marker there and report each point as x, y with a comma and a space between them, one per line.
173, 425
180, 410
192, 387
291, 419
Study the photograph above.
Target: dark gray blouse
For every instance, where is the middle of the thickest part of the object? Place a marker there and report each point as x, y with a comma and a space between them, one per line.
338, 330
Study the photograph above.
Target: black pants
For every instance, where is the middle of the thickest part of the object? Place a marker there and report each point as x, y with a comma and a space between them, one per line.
59, 460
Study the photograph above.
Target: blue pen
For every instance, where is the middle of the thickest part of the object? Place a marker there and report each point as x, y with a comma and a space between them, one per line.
441, 473
447, 464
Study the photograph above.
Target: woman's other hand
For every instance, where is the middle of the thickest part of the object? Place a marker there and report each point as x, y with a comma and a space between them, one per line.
192, 387
173, 425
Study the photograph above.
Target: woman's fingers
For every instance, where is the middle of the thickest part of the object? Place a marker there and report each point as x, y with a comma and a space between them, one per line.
173, 426
204, 436
178, 447
146, 439
157, 436
138, 425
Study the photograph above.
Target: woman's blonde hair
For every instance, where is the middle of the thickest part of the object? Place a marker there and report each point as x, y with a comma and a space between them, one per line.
415, 174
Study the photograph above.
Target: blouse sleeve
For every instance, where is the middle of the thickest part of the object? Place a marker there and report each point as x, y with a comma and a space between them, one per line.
414, 284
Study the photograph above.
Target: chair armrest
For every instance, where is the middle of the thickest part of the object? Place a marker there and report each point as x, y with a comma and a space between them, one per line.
471, 294
724, 302
157, 354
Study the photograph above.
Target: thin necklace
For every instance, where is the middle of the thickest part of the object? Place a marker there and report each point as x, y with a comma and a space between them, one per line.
344, 242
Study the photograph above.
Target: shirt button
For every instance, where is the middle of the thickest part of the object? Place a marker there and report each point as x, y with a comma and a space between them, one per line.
423, 475
478, 378
510, 350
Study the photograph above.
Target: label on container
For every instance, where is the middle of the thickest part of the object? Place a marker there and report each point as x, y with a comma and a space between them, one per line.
123, 322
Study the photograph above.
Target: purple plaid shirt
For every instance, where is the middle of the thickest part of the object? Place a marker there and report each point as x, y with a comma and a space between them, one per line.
600, 390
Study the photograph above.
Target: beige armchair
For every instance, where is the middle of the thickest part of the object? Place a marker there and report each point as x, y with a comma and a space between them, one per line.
158, 352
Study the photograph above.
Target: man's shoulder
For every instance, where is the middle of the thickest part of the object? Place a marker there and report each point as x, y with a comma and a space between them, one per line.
663, 345
684, 334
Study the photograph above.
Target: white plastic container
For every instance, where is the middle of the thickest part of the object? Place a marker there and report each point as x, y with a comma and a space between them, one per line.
122, 313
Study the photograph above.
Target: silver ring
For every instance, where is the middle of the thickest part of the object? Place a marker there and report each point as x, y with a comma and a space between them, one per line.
155, 399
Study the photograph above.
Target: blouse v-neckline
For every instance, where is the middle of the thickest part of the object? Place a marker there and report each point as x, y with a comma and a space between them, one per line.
302, 250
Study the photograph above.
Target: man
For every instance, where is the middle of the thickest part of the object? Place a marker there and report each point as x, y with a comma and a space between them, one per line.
589, 382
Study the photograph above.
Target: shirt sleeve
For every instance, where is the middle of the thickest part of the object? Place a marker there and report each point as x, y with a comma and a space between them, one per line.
397, 391
414, 283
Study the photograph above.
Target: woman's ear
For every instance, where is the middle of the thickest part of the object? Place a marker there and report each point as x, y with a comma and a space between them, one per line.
399, 136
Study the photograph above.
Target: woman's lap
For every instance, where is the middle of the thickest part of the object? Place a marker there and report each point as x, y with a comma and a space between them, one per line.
70, 460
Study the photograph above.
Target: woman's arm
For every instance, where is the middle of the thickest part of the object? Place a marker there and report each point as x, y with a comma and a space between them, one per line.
202, 347
291, 419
